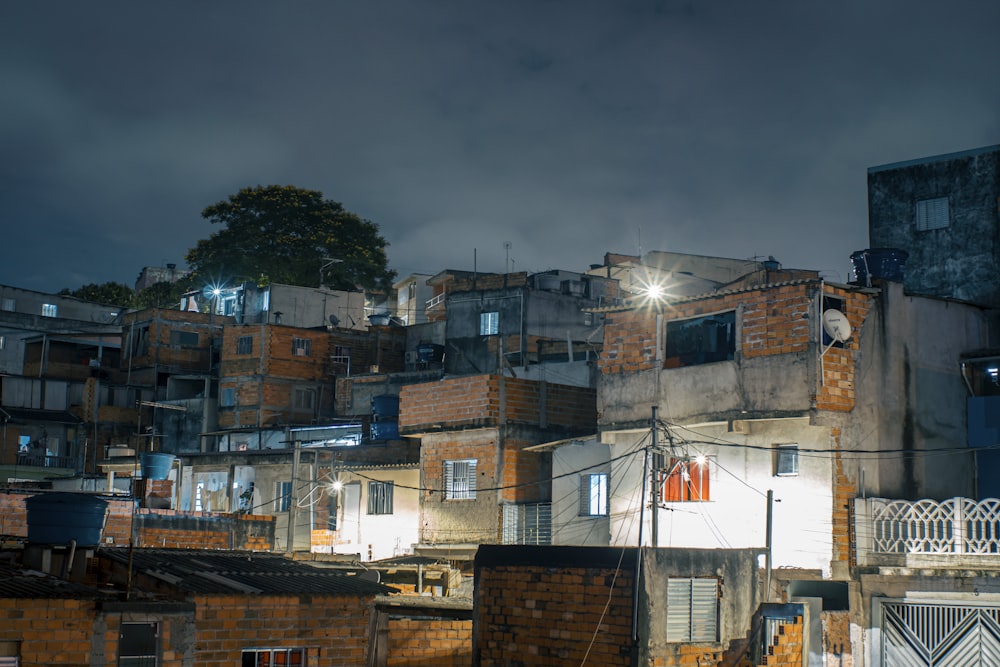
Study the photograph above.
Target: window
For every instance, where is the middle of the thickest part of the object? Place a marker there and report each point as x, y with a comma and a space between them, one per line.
244, 345
380, 497
302, 399
594, 494
301, 347
932, 214
460, 479
692, 610
184, 338
686, 480
786, 463
10, 305
227, 398
274, 657
50, 310
489, 324
701, 340
10, 652
333, 511
282, 496
3, 342
137, 645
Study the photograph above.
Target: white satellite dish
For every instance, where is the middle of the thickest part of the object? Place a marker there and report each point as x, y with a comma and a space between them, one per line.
836, 325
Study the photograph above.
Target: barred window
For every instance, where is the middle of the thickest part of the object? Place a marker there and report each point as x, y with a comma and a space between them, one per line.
301, 347
594, 494
460, 479
380, 497
244, 345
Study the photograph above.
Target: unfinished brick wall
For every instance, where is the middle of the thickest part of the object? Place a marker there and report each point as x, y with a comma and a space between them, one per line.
844, 491
333, 629
536, 615
422, 642
50, 632
784, 649
489, 400
837, 638
837, 390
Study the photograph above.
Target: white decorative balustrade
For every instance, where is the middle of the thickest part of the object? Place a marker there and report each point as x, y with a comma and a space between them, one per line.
954, 527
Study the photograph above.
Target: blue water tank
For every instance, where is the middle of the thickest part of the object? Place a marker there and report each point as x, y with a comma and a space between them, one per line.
57, 518
879, 264
156, 465
385, 430
385, 406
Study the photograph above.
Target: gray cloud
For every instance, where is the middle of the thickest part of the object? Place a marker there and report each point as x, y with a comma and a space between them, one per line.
567, 129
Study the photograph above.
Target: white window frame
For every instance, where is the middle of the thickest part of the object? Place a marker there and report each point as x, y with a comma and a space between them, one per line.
282, 495
460, 479
692, 610
594, 494
50, 310
380, 497
302, 347
786, 462
932, 213
489, 323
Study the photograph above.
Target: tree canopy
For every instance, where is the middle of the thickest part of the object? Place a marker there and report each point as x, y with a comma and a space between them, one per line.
109, 294
293, 236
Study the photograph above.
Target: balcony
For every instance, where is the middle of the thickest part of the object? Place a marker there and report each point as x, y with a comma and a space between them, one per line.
959, 532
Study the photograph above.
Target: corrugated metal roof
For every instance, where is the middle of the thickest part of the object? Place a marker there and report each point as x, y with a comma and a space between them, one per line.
16, 582
28, 415
209, 572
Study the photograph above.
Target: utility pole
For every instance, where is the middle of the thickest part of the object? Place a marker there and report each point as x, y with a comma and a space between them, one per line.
293, 496
654, 500
767, 556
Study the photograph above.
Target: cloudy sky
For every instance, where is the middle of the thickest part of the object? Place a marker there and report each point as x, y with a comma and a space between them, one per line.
567, 129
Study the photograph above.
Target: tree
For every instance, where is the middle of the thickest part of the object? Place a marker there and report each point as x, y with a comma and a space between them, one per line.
288, 235
163, 294
109, 294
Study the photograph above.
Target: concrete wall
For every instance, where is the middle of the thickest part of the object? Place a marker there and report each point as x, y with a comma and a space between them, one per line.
378, 536
961, 260
568, 463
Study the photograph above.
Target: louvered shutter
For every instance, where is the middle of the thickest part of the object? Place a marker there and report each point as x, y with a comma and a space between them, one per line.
692, 610
678, 610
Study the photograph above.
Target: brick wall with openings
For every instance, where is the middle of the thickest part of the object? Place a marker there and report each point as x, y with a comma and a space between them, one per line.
837, 638
488, 400
838, 364
784, 649
844, 491
547, 615
441, 642
50, 631
471, 520
159, 527
332, 629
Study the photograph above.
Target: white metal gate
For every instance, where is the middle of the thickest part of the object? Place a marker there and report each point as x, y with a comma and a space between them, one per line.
939, 635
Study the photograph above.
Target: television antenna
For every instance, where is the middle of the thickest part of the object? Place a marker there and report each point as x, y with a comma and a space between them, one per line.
506, 258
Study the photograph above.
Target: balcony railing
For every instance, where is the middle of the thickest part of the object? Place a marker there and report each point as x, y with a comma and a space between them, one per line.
955, 527
44, 461
435, 300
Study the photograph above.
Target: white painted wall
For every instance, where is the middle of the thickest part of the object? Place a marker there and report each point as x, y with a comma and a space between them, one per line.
379, 536
568, 462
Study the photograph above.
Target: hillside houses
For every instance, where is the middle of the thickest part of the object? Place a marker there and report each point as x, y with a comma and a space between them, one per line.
668, 459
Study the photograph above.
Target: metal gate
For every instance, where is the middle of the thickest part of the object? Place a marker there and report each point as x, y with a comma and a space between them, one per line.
939, 635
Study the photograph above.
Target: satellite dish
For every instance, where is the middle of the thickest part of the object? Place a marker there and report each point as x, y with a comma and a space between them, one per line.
836, 325
334, 320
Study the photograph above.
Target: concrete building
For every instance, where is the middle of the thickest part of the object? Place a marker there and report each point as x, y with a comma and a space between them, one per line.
943, 212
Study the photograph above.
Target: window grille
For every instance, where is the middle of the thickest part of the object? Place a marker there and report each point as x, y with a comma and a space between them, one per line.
489, 323
460, 479
137, 645
50, 310
380, 497
303, 399
273, 657
244, 345
301, 347
529, 523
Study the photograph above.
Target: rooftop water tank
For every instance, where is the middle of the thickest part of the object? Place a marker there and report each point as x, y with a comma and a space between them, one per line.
879, 264
156, 465
57, 518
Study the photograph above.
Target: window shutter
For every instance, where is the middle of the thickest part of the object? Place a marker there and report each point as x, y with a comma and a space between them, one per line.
471, 472
678, 610
704, 610
449, 479
584, 495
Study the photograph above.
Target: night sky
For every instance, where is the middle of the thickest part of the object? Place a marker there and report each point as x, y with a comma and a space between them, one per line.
736, 128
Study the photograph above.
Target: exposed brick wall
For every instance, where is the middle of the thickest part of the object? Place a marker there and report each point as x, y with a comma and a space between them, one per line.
467, 520
837, 390
785, 649
51, 632
837, 638
541, 616
844, 492
429, 643
333, 629
490, 400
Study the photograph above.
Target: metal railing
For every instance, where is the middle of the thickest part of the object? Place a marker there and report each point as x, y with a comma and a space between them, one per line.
46, 461
529, 523
954, 526
435, 300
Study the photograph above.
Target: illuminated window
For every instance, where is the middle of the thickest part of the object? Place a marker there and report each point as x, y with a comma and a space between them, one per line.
227, 397
137, 645
692, 610
686, 480
489, 324
273, 657
460, 479
932, 214
701, 340
50, 310
3, 342
594, 494
301, 347
244, 345
380, 497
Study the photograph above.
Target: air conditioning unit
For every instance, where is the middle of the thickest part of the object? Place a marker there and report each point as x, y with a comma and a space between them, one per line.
412, 357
